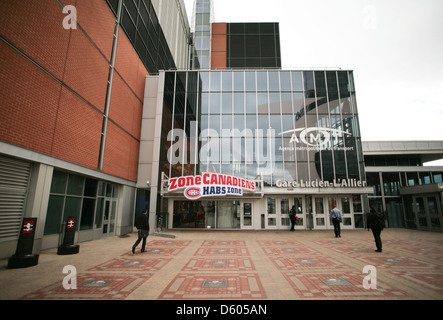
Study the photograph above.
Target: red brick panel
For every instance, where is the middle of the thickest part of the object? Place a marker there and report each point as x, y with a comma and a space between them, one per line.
218, 60
121, 153
98, 21
37, 114
125, 109
219, 28
28, 102
36, 27
129, 65
218, 46
86, 70
78, 131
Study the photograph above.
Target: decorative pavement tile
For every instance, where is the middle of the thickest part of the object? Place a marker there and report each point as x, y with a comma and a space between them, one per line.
425, 279
220, 264
430, 251
307, 262
392, 261
353, 249
136, 264
214, 286
291, 243
180, 243
348, 284
285, 250
219, 243
93, 287
341, 243
163, 251
231, 251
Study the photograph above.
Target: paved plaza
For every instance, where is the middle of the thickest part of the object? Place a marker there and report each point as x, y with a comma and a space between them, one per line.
239, 265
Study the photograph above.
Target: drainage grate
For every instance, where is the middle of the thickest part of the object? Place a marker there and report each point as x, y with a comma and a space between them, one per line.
155, 251
96, 284
393, 261
215, 284
133, 263
219, 263
306, 261
336, 282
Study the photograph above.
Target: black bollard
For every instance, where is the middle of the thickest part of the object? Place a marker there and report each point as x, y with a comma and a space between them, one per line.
23, 257
68, 246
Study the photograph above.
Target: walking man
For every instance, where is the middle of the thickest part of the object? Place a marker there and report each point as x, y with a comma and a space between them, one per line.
376, 222
292, 216
142, 225
336, 218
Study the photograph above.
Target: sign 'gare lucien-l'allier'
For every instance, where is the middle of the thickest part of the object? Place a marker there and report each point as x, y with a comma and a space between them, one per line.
215, 184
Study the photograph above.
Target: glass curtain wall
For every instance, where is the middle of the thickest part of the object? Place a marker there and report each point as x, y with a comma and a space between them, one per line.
202, 34
283, 125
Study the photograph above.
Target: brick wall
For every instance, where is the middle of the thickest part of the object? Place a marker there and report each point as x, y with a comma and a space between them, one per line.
218, 46
53, 87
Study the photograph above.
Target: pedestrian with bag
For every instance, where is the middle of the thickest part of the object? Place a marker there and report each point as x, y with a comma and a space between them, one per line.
142, 225
336, 218
292, 216
376, 222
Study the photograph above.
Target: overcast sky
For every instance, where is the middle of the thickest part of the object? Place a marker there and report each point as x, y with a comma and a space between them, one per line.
394, 47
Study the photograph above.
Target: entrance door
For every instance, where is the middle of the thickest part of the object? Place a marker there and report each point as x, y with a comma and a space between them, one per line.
277, 214
271, 213
434, 210
300, 207
320, 217
246, 215
343, 203
428, 213
322, 206
286, 204
109, 217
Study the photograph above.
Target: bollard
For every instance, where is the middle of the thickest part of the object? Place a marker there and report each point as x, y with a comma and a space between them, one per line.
68, 246
23, 257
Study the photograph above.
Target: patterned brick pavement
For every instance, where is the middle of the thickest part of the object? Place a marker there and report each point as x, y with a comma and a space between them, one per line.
240, 265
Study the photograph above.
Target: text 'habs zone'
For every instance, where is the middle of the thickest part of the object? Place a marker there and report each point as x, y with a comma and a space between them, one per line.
195, 192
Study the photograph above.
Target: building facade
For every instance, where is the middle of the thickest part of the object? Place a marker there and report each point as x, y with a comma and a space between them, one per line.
294, 134
108, 107
71, 103
407, 191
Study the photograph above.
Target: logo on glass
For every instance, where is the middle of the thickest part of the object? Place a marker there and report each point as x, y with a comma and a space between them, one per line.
316, 136
193, 193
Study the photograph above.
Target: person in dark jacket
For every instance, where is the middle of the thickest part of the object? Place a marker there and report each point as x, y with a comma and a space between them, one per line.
293, 217
142, 225
376, 222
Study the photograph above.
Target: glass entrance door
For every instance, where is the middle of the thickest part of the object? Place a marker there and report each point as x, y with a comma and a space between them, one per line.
428, 213
246, 215
277, 214
343, 203
109, 217
322, 206
319, 212
271, 214
434, 210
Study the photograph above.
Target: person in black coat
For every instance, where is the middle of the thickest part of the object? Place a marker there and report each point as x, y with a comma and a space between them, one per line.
376, 222
142, 225
293, 217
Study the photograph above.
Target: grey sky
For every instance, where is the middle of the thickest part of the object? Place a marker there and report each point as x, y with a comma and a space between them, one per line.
395, 48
